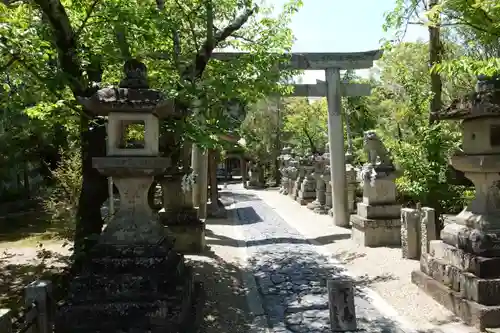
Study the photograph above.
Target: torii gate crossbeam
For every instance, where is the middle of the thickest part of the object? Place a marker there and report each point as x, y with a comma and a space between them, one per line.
333, 89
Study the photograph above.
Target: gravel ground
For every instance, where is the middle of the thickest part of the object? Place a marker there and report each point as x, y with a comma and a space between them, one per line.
387, 271
291, 275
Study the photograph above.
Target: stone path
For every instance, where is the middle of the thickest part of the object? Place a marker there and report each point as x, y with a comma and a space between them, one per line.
291, 275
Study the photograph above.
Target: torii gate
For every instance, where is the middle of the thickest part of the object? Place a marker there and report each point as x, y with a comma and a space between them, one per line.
333, 89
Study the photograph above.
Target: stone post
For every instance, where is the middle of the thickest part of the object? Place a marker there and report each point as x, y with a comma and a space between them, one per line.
410, 236
428, 227
341, 305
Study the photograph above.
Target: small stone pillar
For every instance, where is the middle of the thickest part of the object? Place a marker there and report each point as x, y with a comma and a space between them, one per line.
307, 191
428, 228
132, 278
319, 202
462, 270
410, 233
378, 218
352, 184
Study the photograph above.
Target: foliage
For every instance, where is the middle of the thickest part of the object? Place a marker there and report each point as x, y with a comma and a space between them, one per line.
61, 201
306, 124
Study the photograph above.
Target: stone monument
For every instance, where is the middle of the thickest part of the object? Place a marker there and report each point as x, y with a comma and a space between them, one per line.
178, 213
255, 176
326, 177
378, 220
284, 163
293, 174
300, 178
132, 279
319, 168
462, 270
352, 183
307, 190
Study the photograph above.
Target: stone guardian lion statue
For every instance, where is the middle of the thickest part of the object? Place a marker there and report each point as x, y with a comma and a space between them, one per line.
377, 153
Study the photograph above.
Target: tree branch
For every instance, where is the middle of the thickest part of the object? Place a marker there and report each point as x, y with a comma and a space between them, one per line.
66, 44
9, 63
195, 70
87, 17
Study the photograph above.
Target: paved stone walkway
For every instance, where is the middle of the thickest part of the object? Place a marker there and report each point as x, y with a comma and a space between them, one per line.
291, 275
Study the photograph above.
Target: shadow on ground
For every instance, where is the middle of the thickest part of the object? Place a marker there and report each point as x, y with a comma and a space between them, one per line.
16, 274
293, 285
226, 308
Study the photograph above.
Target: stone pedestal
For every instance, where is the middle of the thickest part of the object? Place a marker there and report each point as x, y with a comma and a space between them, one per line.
378, 221
180, 218
462, 270
307, 191
133, 279
319, 202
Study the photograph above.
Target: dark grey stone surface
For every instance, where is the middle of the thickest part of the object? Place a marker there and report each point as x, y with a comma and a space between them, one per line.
291, 275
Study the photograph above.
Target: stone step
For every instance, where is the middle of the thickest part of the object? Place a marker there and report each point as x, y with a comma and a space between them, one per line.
161, 249
472, 313
480, 266
173, 264
92, 288
469, 286
188, 323
120, 315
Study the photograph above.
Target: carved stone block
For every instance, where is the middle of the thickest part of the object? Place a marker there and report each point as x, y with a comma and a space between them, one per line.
410, 240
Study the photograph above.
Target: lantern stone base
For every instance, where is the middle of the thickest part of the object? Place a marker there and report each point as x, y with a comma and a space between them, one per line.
132, 288
186, 228
256, 185
464, 283
376, 232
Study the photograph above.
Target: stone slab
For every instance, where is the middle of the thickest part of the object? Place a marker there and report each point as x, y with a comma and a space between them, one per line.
482, 267
471, 240
373, 233
472, 313
189, 238
469, 286
390, 211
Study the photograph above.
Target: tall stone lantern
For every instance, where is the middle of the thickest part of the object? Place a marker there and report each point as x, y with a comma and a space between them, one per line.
133, 280
462, 270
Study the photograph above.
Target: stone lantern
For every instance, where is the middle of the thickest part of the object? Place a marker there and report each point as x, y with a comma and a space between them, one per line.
462, 270
132, 279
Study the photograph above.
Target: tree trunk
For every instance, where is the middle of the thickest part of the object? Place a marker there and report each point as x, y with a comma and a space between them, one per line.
435, 57
94, 191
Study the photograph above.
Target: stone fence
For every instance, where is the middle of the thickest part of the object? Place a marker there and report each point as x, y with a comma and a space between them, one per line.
38, 314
